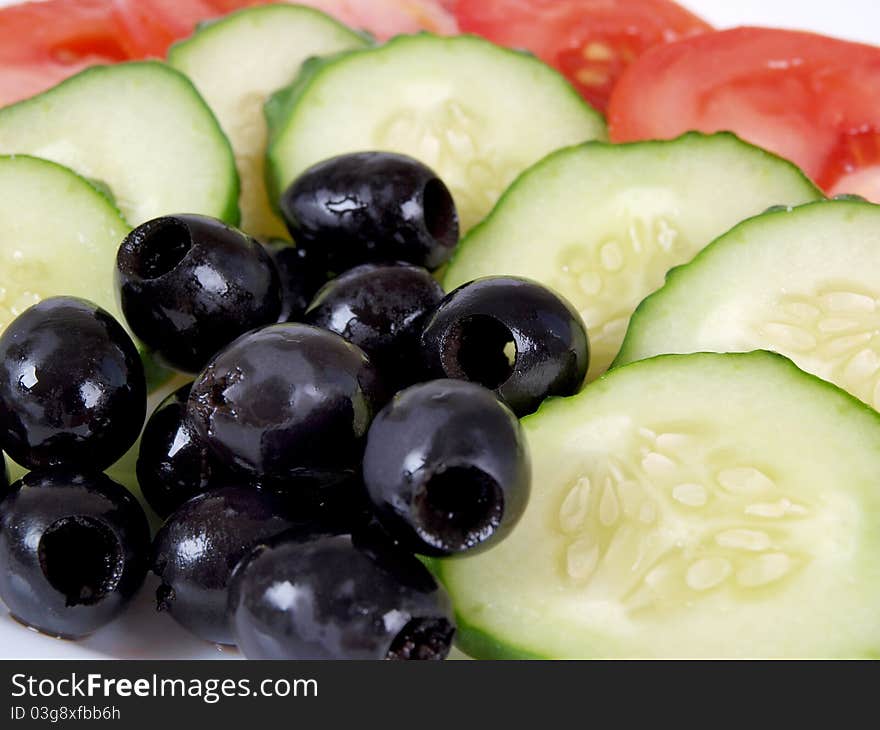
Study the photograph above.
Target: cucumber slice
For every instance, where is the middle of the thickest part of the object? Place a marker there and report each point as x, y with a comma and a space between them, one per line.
140, 128
236, 63
602, 224
58, 235
674, 514
476, 113
801, 282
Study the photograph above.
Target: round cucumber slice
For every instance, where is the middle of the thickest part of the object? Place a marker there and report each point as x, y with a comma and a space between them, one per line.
801, 282
236, 63
602, 224
476, 113
140, 128
696, 505
58, 235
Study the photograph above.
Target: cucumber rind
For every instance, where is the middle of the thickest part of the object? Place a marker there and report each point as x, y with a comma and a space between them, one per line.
483, 251
227, 208
217, 25
499, 210
736, 237
102, 191
284, 109
266, 20
279, 111
479, 644
477, 638
63, 186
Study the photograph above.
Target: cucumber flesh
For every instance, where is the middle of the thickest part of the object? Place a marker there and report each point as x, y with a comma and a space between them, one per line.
140, 128
236, 63
58, 236
801, 282
476, 113
603, 224
696, 505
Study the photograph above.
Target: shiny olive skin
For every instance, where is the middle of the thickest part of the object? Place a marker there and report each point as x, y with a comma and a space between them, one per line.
198, 546
372, 207
479, 326
190, 284
301, 278
380, 308
173, 463
72, 387
74, 549
447, 468
338, 597
289, 402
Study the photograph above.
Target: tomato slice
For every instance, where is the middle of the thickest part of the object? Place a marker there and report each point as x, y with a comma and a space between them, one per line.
854, 166
149, 27
590, 41
807, 97
43, 43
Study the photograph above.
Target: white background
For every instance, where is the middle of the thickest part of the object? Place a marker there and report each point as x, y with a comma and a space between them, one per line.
140, 634
857, 20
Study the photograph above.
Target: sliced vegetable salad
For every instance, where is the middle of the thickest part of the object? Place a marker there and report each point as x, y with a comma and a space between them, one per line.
543, 327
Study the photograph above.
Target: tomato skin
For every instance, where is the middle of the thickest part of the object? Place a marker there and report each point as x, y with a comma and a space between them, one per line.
807, 97
590, 41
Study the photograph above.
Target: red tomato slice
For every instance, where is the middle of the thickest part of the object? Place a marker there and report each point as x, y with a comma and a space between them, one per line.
590, 41
43, 43
807, 97
854, 166
149, 27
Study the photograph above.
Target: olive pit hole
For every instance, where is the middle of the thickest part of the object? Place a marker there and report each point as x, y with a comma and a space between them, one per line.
459, 508
441, 218
158, 248
81, 558
422, 638
480, 349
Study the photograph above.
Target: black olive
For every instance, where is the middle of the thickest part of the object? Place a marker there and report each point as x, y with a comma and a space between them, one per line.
380, 308
199, 545
190, 284
447, 468
372, 207
511, 335
338, 597
288, 403
173, 463
74, 549
72, 387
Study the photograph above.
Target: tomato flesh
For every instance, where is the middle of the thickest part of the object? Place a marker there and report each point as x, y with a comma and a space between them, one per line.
809, 98
44, 43
590, 41
854, 165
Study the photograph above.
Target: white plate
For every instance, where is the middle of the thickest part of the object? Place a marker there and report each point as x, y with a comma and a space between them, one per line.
143, 634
